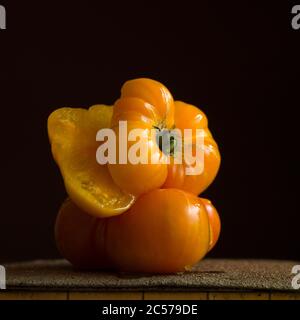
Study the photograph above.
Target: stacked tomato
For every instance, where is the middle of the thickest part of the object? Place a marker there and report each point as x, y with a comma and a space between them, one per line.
134, 217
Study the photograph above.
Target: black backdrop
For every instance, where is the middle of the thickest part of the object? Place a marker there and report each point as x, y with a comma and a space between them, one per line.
234, 60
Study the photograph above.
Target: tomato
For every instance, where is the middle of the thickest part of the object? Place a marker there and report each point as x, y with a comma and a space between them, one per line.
146, 104
165, 231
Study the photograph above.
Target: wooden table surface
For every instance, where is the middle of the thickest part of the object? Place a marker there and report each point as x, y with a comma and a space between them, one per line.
211, 279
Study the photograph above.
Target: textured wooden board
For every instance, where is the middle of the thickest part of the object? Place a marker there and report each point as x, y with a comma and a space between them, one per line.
32, 295
106, 296
147, 295
238, 296
175, 296
285, 296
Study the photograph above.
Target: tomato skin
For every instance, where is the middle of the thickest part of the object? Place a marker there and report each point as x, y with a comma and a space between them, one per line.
140, 178
214, 221
144, 104
156, 95
165, 231
75, 237
188, 116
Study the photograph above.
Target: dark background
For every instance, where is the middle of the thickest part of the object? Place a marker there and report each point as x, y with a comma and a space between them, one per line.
236, 61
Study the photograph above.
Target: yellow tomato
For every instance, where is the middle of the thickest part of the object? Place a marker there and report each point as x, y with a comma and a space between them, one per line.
72, 133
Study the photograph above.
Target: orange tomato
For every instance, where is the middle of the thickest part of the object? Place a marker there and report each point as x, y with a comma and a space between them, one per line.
166, 231
146, 104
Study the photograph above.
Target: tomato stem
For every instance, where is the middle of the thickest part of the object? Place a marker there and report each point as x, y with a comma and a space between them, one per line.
166, 141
